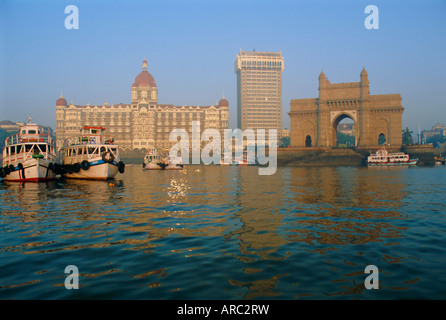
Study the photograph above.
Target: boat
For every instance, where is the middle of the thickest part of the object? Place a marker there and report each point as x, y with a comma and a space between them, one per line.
29, 155
440, 160
91, 155
153, 160
384, 158
241, 161
174, 163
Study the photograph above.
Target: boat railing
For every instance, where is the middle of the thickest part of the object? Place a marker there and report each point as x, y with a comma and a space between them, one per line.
28, 138
20, 157
90, 139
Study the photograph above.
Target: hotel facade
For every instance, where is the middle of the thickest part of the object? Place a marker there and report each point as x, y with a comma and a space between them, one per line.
143, 123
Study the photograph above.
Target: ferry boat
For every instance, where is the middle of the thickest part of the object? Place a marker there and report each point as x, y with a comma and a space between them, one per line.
384, 158
174, 163
29, 155
241, 161
153, 160
91, 155
440, 160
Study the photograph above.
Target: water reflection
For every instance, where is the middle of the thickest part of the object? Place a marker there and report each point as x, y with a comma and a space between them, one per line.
244, 235
339, 206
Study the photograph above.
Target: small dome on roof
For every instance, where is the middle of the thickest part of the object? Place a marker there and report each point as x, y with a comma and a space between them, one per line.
61, 101
223, 102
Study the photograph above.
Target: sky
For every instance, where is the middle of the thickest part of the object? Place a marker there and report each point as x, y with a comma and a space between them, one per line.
191, 45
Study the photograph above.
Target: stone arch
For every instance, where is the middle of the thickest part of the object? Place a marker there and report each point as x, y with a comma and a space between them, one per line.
335, 123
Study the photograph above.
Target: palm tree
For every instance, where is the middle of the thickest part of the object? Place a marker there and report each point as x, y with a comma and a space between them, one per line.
407, 137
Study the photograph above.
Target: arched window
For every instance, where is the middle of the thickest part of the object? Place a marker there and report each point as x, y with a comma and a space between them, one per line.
381, 139
308, 141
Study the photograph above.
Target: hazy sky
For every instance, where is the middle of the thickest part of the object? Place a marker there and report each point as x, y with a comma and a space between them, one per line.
191, 46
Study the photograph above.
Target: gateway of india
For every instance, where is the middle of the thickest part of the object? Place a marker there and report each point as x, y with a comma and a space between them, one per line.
376, 118
143, 123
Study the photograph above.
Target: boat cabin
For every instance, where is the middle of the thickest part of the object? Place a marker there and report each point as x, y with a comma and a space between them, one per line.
90, 135
32, 141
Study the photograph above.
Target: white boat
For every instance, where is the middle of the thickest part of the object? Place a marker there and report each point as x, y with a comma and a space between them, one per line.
174, 163
440, 160
241, 161
153, 160
91, 155
384, 158
29, 155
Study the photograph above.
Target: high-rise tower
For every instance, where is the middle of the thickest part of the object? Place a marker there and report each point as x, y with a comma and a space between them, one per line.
259, 90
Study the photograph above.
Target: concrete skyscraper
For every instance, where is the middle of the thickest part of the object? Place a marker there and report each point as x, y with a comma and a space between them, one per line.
259, 90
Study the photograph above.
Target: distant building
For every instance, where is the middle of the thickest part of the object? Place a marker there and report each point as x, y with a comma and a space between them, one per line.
285, 133
437, 130
259, 90
10, 126
143, 123
347, 128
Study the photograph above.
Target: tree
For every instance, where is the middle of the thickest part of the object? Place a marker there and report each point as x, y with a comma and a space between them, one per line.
435, 140
345, 140
284, 142
407, 137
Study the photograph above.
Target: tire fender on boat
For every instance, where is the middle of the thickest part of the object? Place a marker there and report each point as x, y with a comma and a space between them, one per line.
76, 167
109, 158
121, 167
85, 165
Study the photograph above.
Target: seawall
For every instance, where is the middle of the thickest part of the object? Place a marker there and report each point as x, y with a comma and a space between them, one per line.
302, 157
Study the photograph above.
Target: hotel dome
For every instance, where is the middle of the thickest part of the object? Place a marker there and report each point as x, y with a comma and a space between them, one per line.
144, 79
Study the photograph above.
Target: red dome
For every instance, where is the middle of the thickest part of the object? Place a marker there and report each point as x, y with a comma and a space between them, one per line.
61, 102
144, 79
223, 103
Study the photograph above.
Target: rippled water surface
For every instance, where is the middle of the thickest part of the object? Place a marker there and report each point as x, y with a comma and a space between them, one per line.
211, 232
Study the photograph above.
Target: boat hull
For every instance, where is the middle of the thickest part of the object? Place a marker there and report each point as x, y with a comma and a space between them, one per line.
98, 170
152, 166
34, 170
174, 167
392, 164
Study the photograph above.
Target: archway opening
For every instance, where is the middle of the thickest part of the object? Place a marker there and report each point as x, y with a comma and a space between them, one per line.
308, 142
344, 132
381, 139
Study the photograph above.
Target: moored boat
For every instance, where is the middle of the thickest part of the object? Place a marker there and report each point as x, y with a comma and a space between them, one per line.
153, 160
384, 158
29, 155
440, 160
91, 155
174, 163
